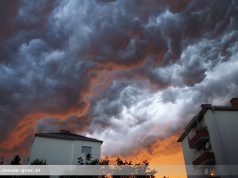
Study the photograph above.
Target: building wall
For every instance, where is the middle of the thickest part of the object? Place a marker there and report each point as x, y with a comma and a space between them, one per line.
189, 156
61, 152
222, 127
96, 150
54, 151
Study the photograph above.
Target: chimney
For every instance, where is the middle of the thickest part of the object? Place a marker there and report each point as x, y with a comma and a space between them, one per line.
64, 131
234, 102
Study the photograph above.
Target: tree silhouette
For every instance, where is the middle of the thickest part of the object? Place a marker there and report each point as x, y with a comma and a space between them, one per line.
38, 162
104, 161
88, 158
137, 170
16, 160
80, 161
2, 161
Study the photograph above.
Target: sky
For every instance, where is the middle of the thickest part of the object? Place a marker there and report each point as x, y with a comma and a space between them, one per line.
129, 72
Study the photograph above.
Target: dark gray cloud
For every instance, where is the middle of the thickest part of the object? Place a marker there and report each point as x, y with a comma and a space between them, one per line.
117, 70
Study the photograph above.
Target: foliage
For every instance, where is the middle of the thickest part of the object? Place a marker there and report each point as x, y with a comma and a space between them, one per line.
16, 160
88, 160
104, 161
1, 161
139, 170
38, 162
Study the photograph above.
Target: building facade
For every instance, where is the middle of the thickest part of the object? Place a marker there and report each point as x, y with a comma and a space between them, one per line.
63, 148
210, 142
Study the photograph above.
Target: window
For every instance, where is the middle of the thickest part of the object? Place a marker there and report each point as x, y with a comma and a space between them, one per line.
86, 149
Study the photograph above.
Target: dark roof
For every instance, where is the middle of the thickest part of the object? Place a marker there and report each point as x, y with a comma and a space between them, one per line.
199, 116
67, 136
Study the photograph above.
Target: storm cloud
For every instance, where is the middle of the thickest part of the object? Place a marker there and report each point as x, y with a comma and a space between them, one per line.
131, 73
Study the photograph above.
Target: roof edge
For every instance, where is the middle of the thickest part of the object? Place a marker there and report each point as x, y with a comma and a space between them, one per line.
199, 116
55, 137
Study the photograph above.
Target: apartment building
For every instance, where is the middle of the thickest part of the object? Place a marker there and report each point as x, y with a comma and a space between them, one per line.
210, 142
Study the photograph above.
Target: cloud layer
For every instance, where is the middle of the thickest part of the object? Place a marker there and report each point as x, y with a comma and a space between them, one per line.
131, 73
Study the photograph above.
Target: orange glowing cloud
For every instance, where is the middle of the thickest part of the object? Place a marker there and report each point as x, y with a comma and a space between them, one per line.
162, 152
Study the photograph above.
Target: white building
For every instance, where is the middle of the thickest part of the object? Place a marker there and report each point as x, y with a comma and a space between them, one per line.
211, 138
63, 148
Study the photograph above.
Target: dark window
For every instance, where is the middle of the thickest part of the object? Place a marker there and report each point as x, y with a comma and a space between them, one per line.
86, 149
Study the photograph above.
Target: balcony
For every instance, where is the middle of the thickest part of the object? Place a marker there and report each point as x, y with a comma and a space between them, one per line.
199, 139
206, 158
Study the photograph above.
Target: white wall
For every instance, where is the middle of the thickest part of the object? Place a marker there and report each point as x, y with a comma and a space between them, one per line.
96, 150
189, 156
223, 133
54, 151
61, 152
222, 127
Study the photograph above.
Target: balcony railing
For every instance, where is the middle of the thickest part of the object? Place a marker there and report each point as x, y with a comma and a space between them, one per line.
199, 139
206, 158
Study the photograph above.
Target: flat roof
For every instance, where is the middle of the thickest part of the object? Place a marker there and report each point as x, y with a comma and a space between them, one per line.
200, 115
67, 136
